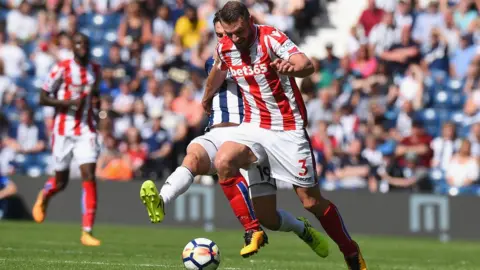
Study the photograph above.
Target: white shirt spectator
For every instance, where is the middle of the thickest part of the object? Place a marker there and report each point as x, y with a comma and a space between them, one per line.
443, 151
43, 62
122, 101
373, 156
152, 103
6, 86
108, 6
64, 54
14, 59
161, 27
409, 89
402, 20
424, 24
22, 26
404, 124
462, 172
151, 58
382, 37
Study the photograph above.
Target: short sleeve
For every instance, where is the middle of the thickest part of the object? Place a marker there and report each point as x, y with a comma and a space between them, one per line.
222, 65
54, 79
282, 46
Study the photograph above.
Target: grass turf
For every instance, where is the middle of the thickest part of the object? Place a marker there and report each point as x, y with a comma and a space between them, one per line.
24, 245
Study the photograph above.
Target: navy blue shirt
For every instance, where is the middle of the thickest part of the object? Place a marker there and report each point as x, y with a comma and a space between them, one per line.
155, 140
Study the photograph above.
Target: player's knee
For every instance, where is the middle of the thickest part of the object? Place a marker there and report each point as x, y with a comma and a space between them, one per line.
224, 163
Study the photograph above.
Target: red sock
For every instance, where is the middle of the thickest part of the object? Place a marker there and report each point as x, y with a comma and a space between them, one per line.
236, 191
89, 204
50, 188
332, 223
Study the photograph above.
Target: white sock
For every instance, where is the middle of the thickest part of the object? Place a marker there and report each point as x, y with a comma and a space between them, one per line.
289, 223
177, 183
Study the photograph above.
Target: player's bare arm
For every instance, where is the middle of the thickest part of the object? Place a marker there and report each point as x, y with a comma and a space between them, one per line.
214, 80
298, 65
47, 100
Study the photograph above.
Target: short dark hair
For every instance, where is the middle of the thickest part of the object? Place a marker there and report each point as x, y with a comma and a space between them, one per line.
232, 11
216, 17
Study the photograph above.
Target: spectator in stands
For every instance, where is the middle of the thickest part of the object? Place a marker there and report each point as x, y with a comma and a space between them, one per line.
108, 6
402, 54
159, 147
370, 17
322, 142
112, 164
353, 169
435, 56
139, 116
371, 152
186, 105
405, 119
156, 59
353, 41
189, 29
331, 62
7, 189
123, 102
384, 35
68, 24
451, 33
161, 24
153, 98
28, 137
174, 123
364, 63
445, 146
47, 24
417, 143
411, 87
403, 16
463, 170
320, 108
464, 16
14, 58
474, 138
472, 80
135, 149
462, 57
43, 60
7, 87
426, 21
392, 176
21, 23
65, 47
134, 26
115, 69
202, 51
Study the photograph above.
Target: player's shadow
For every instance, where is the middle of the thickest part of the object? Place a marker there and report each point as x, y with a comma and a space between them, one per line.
17, 209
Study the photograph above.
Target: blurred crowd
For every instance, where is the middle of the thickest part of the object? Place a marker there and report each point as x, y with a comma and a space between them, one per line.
399, 111
152, 54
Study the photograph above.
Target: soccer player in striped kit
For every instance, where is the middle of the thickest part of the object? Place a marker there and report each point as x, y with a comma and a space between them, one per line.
72, 89
264, 61
226, 114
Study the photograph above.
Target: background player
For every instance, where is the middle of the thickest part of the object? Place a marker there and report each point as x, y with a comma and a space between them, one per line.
264, 61
72, 89
226, 114
7, 189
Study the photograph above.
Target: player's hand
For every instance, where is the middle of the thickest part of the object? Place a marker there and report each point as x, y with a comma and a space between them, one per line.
282, 66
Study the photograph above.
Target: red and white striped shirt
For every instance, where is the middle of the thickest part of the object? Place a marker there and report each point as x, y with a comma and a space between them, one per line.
67, 81
271, 100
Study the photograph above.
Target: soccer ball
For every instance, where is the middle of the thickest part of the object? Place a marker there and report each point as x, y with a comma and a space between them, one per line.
201, 254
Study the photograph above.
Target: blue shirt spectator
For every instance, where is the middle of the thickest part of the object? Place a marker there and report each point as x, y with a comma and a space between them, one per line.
462, 57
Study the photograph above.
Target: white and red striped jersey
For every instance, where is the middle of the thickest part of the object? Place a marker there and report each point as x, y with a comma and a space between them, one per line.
271, 100
69, 80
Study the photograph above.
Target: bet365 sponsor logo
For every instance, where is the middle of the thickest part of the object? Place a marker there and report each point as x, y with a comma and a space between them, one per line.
249, 70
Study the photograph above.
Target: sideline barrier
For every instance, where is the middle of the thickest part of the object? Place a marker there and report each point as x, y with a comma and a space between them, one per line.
396, 214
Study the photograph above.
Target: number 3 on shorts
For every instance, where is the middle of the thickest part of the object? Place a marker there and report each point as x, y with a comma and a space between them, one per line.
304, 167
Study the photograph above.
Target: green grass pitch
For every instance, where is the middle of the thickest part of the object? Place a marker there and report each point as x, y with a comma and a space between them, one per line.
25, 245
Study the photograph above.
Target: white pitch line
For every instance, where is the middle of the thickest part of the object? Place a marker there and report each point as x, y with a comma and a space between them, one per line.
90, 262
59, 251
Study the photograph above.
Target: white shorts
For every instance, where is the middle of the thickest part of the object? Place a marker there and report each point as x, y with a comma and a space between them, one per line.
83, 148
211, 142
287, 153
